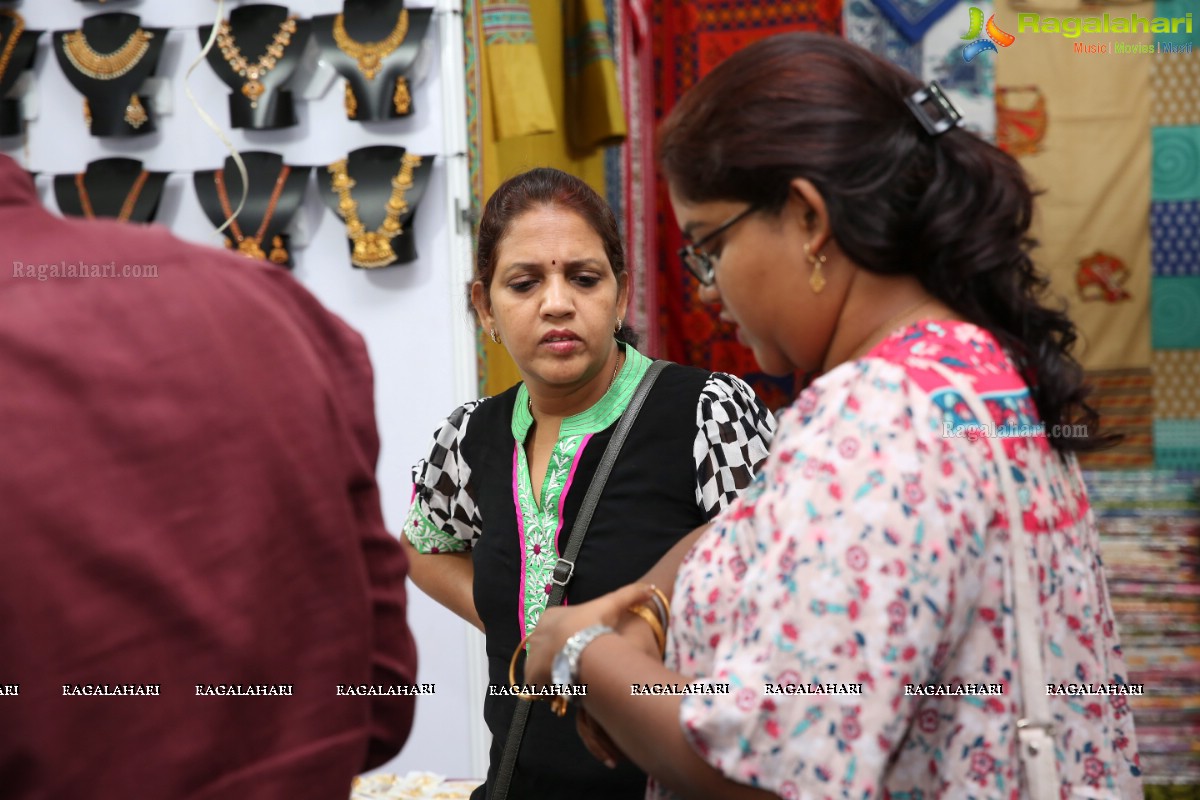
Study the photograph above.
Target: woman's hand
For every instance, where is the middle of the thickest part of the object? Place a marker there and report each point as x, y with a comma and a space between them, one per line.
560, 623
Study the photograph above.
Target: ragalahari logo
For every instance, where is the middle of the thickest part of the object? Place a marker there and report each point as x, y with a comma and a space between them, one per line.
995, 36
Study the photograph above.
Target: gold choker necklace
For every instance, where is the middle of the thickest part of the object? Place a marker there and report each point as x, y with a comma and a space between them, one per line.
373, 248
13, 37
370, 55
253, 88
106, 66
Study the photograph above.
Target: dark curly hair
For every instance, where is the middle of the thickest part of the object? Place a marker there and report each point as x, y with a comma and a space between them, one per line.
546, 186
953, 211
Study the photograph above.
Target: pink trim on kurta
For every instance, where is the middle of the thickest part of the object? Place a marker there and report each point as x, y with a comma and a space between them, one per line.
516, 474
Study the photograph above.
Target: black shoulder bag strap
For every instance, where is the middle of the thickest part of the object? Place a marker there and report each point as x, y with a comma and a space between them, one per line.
565, 568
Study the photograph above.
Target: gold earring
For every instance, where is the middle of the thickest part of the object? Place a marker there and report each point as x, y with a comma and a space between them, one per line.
817, 280
279, 254
402, 99
495, 337
351, 103
135, 112
618, 325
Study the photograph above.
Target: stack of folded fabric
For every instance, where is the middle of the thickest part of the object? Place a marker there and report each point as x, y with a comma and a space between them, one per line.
1149, 522
413, 786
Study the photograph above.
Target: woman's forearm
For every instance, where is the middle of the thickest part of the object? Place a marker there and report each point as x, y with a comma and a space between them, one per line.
646, 727
446, 577
663, 573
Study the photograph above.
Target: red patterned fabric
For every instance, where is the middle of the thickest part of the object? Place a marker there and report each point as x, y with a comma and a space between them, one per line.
690, 38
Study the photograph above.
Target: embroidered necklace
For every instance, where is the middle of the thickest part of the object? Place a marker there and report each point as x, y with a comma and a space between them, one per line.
373, 248
14, 36
106, 66
370, 55
253, 73
131, 199
251, 246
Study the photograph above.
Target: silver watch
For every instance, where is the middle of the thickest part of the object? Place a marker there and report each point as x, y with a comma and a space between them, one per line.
565, 670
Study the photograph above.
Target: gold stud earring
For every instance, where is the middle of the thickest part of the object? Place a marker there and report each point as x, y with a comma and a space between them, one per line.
495, 337
817, 279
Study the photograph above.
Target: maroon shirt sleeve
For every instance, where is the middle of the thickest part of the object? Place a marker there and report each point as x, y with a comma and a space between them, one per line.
187, 499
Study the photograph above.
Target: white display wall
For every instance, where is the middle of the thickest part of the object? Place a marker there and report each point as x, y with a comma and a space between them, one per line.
411, 315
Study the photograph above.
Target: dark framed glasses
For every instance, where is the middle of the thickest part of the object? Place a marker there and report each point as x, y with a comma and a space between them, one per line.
701, 264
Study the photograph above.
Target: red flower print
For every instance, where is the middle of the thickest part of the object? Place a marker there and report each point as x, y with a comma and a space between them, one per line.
738, 567
710, 618
857, 558
790, 631
928, 720
789, 791
435, 550
987, 614
851, 729
1093, 767
897, 611
549, 588
982, 764
913, 493
807, 402
848, 447
1120, 703
746, 699
714, 640
772, 727
864, 590
947, 468
537, 549
1108, 628
789, 677
835, 491
714, 595
852, 610
1094, 710
909, 653
1073, 623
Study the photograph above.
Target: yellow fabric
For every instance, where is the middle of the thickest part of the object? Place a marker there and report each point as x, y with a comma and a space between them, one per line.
595, 113
1094, 165
503, 158
521, 101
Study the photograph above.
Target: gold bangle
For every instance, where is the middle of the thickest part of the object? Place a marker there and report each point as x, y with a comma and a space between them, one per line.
660, 636
512, 672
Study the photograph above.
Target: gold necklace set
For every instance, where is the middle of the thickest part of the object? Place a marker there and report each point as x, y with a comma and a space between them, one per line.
108, 67
14, 36
373, 248
253, 88
370, 56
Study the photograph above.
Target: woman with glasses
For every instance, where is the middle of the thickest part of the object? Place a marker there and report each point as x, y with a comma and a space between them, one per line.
497, 496
908, 602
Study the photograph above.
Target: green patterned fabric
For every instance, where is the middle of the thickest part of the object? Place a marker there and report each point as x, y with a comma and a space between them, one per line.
1177, 444
1175, 313
1176, 162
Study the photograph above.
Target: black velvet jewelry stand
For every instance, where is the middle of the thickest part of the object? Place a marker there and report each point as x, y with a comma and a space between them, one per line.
370, 21
109, 182
106, 33
254, 29
263, 169
12, 122
372, 169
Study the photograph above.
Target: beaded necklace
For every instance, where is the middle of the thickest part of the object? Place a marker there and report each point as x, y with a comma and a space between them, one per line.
251, 246
85, 200
253, 88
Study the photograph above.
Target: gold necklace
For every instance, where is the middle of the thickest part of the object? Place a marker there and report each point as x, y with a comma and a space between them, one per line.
253, 73
13, 38
106, 66
370, 55
373, 248
85, 199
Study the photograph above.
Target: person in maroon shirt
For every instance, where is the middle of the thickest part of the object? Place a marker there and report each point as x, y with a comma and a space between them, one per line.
196, 583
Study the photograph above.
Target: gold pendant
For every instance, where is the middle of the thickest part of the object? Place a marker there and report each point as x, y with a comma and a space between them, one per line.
135, 113
250, 248
372, 250
253, 89
368, 64
278, 254
402, 99
351, 103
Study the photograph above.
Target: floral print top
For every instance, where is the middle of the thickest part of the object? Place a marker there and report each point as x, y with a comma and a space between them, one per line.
872, 554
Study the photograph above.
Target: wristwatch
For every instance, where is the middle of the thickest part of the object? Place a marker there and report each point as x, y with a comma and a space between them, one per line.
565, 670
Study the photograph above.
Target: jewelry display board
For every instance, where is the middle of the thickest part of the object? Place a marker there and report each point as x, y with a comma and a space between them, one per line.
411, 313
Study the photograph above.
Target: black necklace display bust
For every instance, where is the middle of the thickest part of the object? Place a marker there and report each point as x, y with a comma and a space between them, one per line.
120, 188
259, 100
376, 191
108, 60
374, 47
16, 56
276, 194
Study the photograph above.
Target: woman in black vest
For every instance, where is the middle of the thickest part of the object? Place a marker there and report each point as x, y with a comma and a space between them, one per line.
497, 496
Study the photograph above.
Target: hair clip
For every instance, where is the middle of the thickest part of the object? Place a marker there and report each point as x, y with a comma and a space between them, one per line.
933, 109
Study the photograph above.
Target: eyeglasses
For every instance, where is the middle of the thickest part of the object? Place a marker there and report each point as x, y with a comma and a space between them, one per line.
704, 265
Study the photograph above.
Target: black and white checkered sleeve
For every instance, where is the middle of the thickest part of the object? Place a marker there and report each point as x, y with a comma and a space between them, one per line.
443, 517
734, 432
